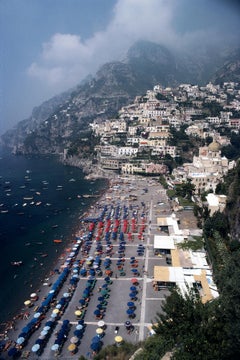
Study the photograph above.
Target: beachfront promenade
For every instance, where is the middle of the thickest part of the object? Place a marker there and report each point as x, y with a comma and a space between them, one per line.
107, 279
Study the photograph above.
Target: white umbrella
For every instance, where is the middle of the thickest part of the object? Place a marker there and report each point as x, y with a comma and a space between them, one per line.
55, 347
35, 347
20, 340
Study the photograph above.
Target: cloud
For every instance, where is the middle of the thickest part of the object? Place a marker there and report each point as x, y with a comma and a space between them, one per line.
66, 58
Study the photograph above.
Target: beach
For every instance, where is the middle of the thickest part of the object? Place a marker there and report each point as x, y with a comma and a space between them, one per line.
114, 246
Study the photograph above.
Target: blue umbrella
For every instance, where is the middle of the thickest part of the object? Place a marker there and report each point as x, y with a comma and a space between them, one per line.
20, 340
95, 346
97, 312
82, 301
96, 339
77, 333
130, 311
13, 351
130, 304
133, 288
132, 295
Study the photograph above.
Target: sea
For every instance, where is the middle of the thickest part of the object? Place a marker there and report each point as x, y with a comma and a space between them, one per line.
41, 200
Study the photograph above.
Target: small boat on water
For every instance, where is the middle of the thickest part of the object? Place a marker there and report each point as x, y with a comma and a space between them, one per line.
16, 263
54, 226
57, 241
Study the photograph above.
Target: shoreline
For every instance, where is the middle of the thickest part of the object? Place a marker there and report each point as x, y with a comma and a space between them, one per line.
7, 327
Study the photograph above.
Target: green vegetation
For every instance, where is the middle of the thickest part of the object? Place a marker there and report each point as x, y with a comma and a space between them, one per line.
196, 243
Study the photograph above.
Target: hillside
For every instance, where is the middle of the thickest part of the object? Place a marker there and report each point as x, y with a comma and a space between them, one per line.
55, 124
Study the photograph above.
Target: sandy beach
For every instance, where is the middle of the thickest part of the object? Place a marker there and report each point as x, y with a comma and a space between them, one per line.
112, 255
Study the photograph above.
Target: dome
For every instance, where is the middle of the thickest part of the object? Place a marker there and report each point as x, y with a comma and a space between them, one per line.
214, 146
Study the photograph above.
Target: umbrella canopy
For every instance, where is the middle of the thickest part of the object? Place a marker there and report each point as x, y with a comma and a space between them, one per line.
97, 312
134, 281
27, 302
95, 339
130, 311
46, 328
118, 339
95, 346
13, 351
74, 340
72, 347
130, 304
20, 340
55, 347
79, 327
133, 288
35, 347
101, 323
99, 331
66, 295
44, 333
132, 295
56, 311
78, 313
36, 315
33, 295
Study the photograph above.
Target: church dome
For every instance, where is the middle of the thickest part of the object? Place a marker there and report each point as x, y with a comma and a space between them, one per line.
214, 146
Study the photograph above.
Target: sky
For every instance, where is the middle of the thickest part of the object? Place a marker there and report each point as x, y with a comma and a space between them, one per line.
49, 46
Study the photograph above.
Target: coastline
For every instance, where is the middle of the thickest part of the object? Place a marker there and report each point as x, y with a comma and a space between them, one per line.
123, 193
8, 328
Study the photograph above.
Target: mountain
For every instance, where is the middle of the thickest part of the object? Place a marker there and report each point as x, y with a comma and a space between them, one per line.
230, 71
55, 124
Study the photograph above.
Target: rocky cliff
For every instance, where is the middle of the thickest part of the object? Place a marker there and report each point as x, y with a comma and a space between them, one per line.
57, 123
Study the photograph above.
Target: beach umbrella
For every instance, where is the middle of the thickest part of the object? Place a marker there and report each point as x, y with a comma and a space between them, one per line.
134, 270
101, 323
56, 311
79, 327
77, 333
55, 347
130, 311
78, 313
58, 306
33, 295
20, 340
95, 339
82, 302
44, 333
36, 315
128, 323
49, 322
130, 304
53, 315
132, 295
74, 340
95, 346
27, 302
97, 312
134, 281
104, 292
133, 288
13, 351
46, 328
35, 347
118, 339
66, 295
99, 331
26, 329
72, 347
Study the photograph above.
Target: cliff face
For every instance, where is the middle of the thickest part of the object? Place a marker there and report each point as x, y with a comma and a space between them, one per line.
58, 122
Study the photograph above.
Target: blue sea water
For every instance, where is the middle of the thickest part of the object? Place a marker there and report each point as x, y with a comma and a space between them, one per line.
40, 200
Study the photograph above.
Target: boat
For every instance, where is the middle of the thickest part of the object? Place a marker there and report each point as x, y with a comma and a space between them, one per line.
16, 263
54, 226
57, 241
